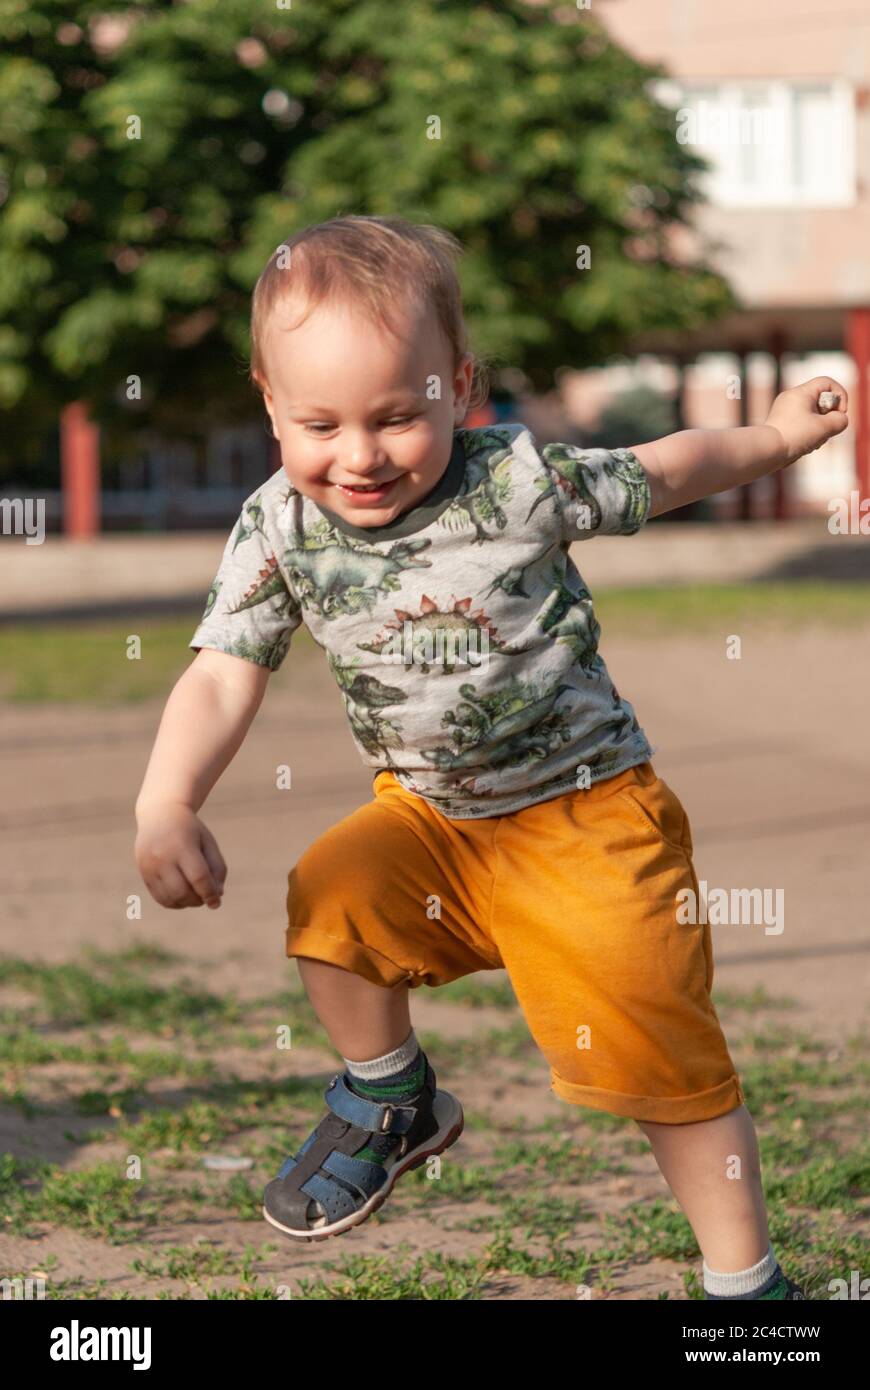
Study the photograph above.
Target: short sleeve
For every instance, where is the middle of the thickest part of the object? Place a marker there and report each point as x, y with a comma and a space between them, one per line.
599, 491
250, 611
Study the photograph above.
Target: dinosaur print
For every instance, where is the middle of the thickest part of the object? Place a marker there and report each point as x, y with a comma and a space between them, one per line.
618, 703
251, 520
262, 652
487, 484
564, 597
629, 473
600, 764
511, 581
438, 636
572, 474
569, 618
334, 574
268, 584
364, 696
211, 598
508, 728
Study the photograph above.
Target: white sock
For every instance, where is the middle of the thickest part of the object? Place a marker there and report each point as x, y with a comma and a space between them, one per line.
742, 1281
379, 1067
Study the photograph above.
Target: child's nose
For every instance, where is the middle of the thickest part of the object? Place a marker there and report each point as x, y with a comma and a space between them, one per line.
361, 454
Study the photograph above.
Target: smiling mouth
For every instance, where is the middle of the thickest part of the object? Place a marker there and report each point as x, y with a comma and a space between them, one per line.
358, 490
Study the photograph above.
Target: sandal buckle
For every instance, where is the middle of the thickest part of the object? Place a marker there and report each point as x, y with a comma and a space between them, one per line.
387, 1119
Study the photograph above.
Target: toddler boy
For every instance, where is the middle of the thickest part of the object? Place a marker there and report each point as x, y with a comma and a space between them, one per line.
516, 819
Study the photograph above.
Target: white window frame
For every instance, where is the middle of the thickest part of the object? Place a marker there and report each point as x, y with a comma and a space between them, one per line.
724, 185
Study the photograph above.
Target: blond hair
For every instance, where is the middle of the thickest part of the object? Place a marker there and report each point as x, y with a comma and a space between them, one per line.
377, 263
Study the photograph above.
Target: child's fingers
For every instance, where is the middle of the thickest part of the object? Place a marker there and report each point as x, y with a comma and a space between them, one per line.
195, 867
171, 888
214, 859
832, 406
841, 391
825, 387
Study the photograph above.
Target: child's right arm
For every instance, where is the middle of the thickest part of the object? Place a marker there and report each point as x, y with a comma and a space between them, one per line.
206, 718
691, 464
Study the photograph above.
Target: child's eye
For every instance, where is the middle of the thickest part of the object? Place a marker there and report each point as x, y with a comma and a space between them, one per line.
318, 427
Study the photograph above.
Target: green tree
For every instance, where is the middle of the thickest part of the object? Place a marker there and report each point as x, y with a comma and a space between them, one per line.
136, 256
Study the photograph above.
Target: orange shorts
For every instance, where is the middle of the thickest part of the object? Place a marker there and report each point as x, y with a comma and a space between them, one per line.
574, 897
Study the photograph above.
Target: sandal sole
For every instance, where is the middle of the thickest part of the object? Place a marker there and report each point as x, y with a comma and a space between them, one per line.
451, 1120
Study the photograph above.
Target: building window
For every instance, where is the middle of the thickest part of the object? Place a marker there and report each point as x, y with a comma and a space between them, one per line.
770, 144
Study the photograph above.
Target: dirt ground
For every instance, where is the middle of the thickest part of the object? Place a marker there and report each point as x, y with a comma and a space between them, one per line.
768, 754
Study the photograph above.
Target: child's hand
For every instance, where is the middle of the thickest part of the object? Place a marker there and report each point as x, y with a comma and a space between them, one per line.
178, 857
795, 415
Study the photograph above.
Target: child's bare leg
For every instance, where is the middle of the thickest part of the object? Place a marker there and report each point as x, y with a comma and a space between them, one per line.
727, 1214
363, 1020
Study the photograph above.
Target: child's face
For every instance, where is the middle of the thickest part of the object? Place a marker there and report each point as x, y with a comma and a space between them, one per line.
348, 402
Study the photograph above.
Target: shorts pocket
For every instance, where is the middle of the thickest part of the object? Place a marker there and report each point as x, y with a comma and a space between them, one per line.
656, 807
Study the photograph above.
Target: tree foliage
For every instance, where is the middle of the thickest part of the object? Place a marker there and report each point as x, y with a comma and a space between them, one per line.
126, 256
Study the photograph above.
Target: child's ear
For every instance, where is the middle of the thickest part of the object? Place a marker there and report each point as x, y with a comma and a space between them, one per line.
462, 381
267, 400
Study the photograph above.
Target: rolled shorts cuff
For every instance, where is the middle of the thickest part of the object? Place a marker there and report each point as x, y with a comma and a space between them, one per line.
350, 955
667, 1110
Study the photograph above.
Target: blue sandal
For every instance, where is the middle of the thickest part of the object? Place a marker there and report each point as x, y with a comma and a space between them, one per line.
327, 1187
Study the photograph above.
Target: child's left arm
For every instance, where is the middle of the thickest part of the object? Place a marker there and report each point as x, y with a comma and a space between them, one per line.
691, 464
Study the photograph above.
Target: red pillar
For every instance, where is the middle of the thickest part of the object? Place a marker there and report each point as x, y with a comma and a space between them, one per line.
80, 471
781, 508
858, 347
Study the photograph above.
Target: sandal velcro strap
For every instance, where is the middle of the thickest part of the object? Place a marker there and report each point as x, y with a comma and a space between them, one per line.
374, 1116
365, 1177
320, 1170
361, 1173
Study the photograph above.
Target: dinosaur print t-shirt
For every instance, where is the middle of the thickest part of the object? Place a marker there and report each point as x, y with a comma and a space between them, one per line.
461, 634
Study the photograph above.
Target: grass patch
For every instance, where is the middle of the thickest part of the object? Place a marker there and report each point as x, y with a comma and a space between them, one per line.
193, 1263
430, 1278
106, 988
227, 1108
78, 662
519, 1192
750, 1001
670, 609
99, 1200
533, 1216
436, 1277
472, 992
514, 1041
109, 988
